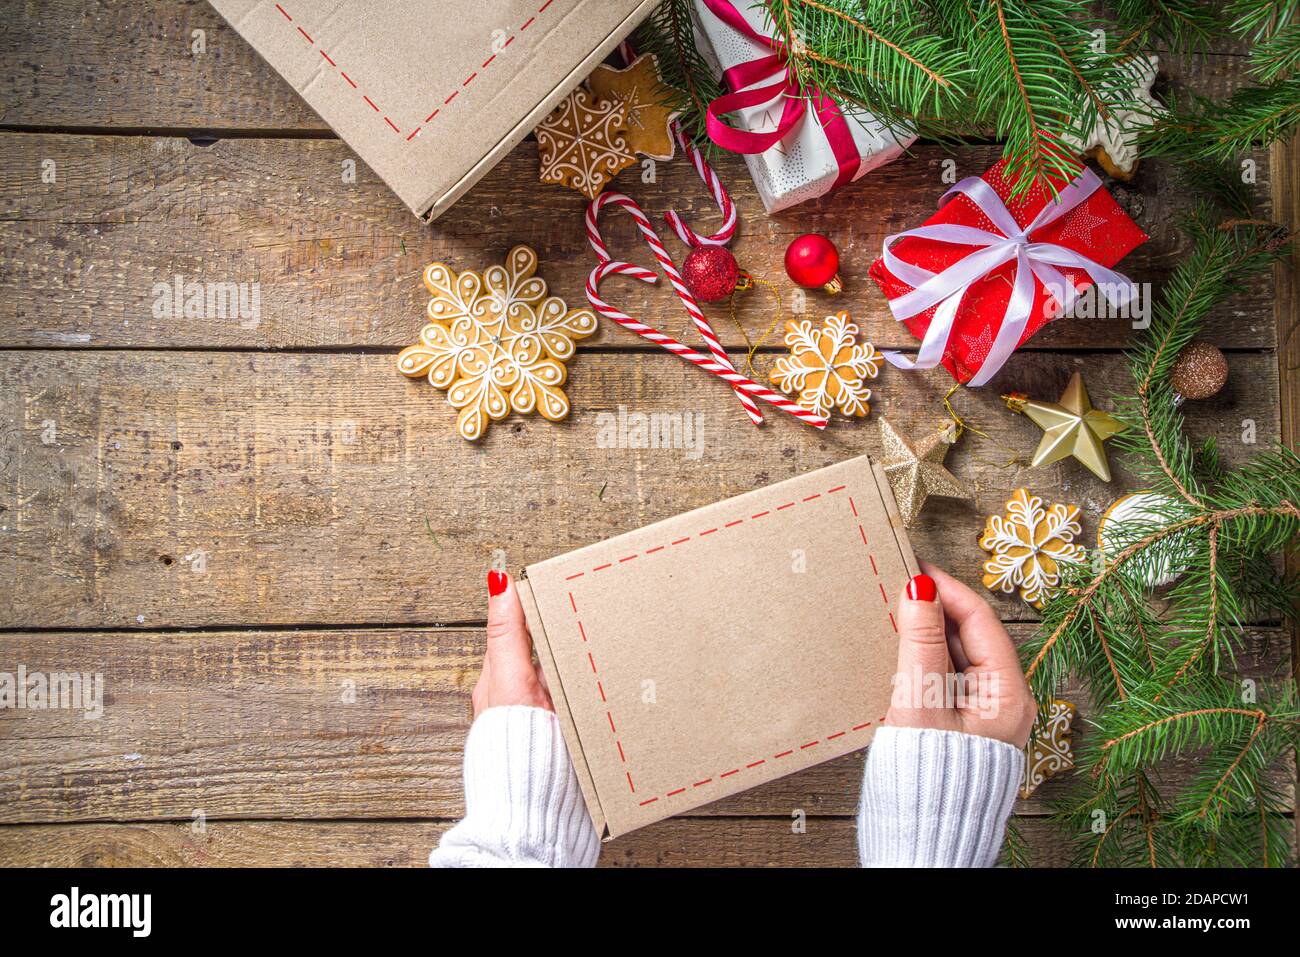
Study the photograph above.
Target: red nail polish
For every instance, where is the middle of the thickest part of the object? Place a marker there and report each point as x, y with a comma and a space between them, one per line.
497, 582
921, 588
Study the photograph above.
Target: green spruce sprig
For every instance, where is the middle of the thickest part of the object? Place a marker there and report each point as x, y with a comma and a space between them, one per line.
1025, 72
1164, 682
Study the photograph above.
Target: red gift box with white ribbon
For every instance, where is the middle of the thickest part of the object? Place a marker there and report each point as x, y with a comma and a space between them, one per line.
986, 272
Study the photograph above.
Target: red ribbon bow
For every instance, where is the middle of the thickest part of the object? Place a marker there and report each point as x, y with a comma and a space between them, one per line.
797, 97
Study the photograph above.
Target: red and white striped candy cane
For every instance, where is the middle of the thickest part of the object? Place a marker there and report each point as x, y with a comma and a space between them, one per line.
739, 382
728, 229
684, 232
674, 277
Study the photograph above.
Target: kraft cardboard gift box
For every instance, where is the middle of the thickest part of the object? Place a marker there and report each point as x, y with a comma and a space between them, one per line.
712, 652
431, 94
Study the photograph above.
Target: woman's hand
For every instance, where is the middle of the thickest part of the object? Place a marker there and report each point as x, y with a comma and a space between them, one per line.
509, 675
957, 667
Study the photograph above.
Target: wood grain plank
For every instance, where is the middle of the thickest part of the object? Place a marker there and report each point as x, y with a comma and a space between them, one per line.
679, 842
327, 489
364, 723
1286, 201
85, 260
66, 63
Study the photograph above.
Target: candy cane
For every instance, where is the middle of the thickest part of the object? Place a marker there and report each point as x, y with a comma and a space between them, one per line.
728, 208
687, 235
739, 382
674, 277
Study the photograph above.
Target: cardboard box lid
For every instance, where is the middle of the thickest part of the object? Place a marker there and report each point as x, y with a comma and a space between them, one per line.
725, 647
432, 94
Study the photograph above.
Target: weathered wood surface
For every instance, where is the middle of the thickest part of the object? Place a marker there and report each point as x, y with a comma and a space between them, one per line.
679, 842
153, 490
1286, 202
364, 723
328, 489
338, 264
135, 66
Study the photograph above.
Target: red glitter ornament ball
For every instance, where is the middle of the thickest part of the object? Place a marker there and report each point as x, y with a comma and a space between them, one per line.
711, 273
812, 260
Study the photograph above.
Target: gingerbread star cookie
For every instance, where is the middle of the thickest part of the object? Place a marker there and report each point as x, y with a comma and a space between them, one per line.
581, 143
1112, 139
642, 94
496, 342
1048, 752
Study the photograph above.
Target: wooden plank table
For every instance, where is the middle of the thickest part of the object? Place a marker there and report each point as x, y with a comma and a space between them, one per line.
273, 546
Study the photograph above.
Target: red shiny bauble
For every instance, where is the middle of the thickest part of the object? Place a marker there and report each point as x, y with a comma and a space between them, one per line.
812, 260
711, 273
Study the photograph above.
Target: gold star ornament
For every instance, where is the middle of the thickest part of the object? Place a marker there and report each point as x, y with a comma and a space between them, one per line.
1071, 427
915, 469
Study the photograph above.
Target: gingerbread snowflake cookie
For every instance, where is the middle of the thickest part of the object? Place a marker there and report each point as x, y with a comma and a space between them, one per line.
497, 342
827, 366
1049, 750
581, 143
1029, 545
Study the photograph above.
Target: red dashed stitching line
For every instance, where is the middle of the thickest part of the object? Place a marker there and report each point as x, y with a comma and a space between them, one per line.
731, 524
681, 541
464, 83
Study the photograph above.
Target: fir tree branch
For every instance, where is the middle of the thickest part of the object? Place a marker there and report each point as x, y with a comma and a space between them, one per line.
1083, 599
1261, 721
866, 31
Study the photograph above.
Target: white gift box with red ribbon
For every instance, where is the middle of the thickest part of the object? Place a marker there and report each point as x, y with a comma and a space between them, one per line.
815, 145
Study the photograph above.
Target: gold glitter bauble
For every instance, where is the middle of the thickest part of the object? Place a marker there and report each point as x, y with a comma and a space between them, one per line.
1199, 372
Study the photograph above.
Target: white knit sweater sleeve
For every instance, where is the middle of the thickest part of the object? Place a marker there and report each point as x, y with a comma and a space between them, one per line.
936, 798
523, 806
